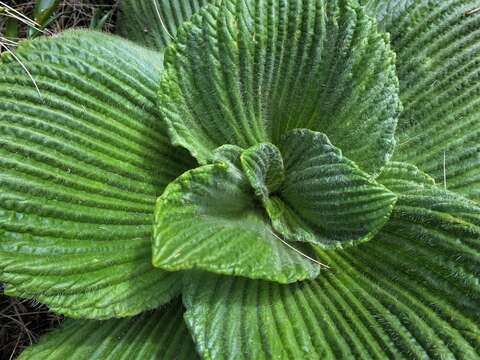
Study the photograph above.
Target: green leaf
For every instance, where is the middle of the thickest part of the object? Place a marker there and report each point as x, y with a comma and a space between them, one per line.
263, 166
401, 177
227, 153
155, 335
437, 46
83, 160
325, 198
412, 292
245, 72
43, 10
207, 219
154, 23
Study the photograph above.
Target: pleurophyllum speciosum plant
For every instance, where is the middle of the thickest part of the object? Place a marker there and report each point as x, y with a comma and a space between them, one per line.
294, 179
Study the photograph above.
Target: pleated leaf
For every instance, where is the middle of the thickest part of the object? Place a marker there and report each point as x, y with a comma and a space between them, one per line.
262, 164
154, 335
401, 177
83, 159
325, 198
410, 293
154, 23
207, 219
438, 57
245, 72
230, 154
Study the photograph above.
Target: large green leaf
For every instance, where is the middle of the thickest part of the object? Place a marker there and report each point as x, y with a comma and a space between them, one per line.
246, 71
154, 23
208, 219
438, 50
410, 293
154, 335
325, 198
82, 161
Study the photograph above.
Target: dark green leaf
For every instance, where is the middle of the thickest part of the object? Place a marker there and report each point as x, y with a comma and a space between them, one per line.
245, 72
154, 335
208, 219
227, 153
82, 161
154, 23
400, 177
263, 166
325, 198
410, 293
438, 52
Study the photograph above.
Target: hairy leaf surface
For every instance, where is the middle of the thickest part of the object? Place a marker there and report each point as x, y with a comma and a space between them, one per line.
438, 59
154, 335
245, 72
325, 198
82, 161
412, 292
263, 166
208, 219
154, 23
291, 109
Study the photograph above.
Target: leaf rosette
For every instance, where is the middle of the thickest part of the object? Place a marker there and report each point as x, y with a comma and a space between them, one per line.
259, 141
265, 102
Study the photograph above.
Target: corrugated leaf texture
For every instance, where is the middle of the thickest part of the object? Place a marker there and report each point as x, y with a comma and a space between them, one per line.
160, 334
85, 155
83, 160
207, 219
412, 292
325, 198
438, 59
154, 23
245, 72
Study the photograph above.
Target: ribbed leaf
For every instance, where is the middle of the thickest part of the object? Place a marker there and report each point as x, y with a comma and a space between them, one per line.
247, 71
263, 166
438, 50
228, 153
325, 198
154, 23
207, 219
410, 293
82, 163
157, 335
401, 177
